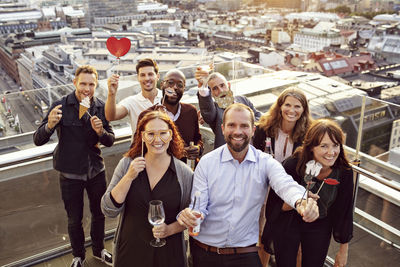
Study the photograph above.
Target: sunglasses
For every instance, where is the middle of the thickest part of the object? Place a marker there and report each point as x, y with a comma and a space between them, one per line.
173, 83
164, 135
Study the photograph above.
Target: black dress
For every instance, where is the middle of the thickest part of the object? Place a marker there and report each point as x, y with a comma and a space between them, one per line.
336, 217
136, 232
259, 140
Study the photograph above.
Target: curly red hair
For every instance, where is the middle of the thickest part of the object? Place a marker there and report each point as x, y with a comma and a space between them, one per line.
176, 145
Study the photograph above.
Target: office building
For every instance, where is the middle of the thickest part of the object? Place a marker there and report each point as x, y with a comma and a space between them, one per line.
117, 9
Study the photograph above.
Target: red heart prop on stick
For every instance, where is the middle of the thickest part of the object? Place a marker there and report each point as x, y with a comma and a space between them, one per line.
119, 47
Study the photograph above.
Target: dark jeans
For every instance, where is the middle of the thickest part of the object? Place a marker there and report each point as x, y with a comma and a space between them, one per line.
72, 195
202, 258
314, 238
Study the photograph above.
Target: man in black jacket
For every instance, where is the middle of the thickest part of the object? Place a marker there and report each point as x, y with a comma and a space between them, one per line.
78, 159
214, 98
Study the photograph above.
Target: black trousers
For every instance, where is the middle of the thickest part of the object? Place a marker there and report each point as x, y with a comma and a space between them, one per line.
72, 195
202, 258
314, 238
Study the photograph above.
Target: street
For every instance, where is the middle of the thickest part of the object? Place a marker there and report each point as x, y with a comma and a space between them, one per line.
19, 103
22, 105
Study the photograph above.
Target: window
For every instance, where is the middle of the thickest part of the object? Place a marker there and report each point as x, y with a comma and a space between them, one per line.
327, 66
339, 64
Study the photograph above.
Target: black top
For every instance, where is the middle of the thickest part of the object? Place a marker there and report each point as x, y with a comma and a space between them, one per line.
339, 208
327, 194
77, 141
259, 140
136, 231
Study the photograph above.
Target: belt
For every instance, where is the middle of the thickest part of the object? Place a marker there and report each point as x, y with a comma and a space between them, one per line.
226, 251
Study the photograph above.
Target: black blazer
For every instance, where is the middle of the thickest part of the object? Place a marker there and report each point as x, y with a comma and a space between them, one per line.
212, 115
259, 140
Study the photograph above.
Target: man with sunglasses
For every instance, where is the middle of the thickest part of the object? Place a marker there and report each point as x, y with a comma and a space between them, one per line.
184, 115
147, 75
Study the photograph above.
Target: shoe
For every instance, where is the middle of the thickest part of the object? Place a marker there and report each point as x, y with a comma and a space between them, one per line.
105, 257
77, 262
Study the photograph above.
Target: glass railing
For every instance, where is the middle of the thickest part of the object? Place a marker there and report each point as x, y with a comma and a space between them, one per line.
33, 224
33, 220
22, 111
32, 217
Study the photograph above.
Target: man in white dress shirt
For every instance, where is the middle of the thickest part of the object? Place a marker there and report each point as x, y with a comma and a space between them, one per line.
147, 75
233, 181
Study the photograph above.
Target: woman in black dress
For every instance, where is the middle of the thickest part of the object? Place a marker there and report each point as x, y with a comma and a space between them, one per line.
137, 180
285, 123
285, 228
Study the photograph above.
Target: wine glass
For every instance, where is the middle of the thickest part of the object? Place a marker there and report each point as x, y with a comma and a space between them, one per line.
156, 217
206, 63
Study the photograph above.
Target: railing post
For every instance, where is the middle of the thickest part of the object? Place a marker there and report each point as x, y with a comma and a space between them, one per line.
357, 160
356, 177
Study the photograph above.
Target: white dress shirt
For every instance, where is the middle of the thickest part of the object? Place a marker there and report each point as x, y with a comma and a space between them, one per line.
232, 194
136, 104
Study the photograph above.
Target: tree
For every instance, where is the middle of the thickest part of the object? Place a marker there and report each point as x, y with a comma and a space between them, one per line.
343, 9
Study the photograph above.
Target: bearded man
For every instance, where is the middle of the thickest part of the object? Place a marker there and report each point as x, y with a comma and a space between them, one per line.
233, 181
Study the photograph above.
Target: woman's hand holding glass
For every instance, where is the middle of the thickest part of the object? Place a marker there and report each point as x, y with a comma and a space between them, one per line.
137, 165
161, 231
156, 218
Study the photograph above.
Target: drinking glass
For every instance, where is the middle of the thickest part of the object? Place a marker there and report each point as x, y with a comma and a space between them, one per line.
206, 64
156, 217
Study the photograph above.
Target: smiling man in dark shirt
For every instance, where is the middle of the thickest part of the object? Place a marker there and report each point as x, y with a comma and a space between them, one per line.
183, 115
77, 157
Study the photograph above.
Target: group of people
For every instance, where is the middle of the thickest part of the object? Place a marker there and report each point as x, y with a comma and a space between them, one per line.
247, 198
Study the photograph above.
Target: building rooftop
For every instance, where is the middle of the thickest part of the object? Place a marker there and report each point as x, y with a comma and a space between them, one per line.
318, 16
21, 16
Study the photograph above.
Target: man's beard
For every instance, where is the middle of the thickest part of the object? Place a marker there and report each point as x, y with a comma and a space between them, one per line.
237, 148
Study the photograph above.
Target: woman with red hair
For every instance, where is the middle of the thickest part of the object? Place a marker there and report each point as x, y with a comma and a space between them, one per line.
150, 170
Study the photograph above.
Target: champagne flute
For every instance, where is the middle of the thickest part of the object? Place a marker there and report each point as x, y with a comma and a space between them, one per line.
156, 217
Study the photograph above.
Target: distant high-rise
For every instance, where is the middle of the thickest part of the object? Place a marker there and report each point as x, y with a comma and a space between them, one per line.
98, 9
284, 3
